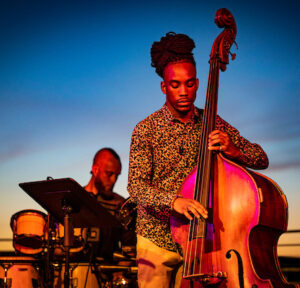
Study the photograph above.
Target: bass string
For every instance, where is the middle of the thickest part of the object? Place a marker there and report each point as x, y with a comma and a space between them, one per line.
189, 249
204, 157
203, 175
202, 160
200, 172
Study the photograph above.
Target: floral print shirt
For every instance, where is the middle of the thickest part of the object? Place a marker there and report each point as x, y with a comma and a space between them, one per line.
163, 152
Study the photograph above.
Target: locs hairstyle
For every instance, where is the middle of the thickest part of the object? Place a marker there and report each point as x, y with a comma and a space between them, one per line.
171, 48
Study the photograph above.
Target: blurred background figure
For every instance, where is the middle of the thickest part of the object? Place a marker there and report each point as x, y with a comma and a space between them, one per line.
105, 171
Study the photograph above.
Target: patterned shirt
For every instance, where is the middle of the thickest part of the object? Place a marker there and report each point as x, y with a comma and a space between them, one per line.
163, 152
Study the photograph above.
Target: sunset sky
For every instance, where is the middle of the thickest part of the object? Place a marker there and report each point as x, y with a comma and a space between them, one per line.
75, 76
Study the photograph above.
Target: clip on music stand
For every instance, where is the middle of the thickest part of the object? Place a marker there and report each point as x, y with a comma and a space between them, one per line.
71, 205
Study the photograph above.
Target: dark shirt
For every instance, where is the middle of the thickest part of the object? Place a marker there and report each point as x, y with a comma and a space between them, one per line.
163, 152
113, 239
113, 204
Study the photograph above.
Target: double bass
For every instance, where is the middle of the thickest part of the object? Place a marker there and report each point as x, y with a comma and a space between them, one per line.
236, 247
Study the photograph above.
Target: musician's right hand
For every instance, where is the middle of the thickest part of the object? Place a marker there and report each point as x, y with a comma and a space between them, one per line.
189, 207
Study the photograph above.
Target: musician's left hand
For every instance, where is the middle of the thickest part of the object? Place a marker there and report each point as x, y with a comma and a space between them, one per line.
220, 141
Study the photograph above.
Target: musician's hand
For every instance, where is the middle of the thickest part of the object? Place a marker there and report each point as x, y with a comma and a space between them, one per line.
220, 141
189, 207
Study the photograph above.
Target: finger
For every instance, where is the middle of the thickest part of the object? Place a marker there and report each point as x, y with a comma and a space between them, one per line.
200, 209
204, 214
218, 134
219, 145
194, 211
214, 141
187, 215
214, 132
214, 147
218, 137
219, 141
214, 137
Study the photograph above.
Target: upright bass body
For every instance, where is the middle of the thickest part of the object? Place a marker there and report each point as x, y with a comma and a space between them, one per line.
236, 247
247, 214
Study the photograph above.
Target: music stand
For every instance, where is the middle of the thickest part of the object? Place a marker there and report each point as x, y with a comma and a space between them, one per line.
71, 205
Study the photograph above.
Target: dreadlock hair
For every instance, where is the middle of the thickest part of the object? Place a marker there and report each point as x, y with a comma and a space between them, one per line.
171, 48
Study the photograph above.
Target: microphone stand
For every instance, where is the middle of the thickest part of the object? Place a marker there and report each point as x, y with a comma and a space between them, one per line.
68, 239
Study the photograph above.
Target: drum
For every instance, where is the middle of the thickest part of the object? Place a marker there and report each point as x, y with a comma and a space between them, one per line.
81, 273
16, 272
28, 228
79, 239
78, 274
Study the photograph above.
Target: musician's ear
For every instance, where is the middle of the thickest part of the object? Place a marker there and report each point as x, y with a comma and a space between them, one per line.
163, 87
197, 83
95, 169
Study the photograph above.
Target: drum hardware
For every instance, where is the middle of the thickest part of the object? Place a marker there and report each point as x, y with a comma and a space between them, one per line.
129, 252
116, 268
128, 278
117, 256
129, 249
69, 236
48, 271
121, 282
93, 234
95, 276
58, 269
128, 214
67, 201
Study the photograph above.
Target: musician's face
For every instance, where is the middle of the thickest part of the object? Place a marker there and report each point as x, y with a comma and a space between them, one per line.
106, 172
180, 86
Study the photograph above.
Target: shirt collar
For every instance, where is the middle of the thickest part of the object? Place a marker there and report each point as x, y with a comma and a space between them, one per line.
171, 118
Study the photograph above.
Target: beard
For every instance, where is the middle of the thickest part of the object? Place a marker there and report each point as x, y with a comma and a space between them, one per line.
104, 190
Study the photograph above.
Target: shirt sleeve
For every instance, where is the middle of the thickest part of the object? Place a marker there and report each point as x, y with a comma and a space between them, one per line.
253, 156
156, 201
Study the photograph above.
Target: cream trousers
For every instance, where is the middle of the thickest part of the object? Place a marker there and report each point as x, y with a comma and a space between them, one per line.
157, 267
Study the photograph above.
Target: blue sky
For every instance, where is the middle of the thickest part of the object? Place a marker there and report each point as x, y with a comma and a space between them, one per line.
75, 76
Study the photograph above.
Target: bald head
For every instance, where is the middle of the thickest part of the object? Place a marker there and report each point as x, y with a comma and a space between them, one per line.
104, 152
106, 169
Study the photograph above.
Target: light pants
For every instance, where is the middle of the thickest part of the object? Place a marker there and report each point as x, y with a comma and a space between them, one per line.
157, 267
